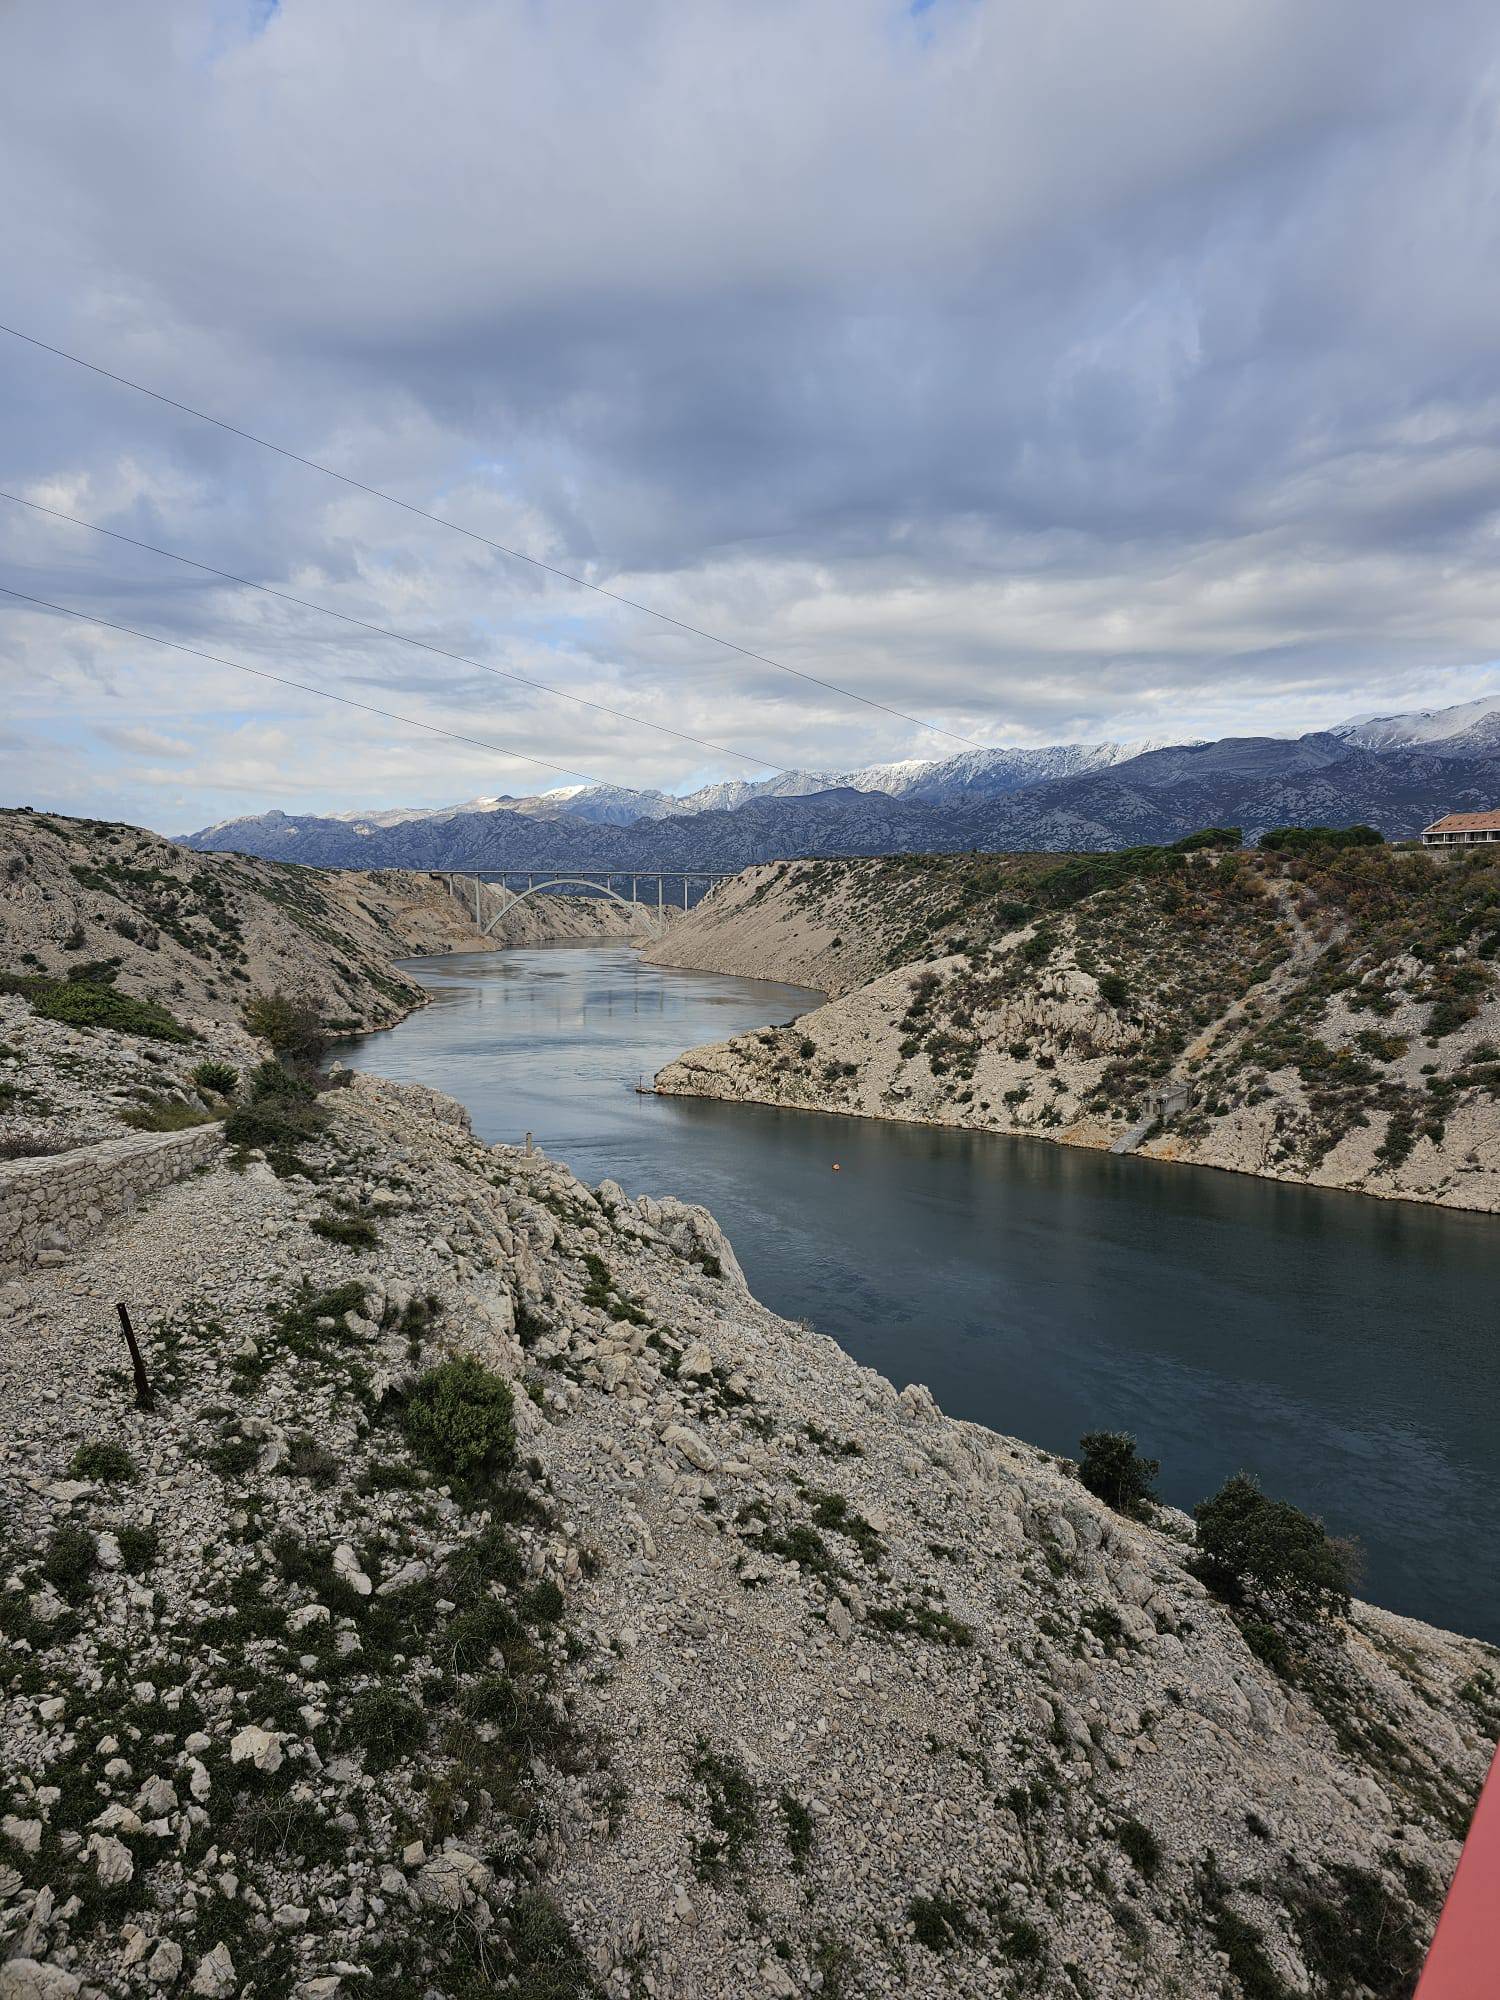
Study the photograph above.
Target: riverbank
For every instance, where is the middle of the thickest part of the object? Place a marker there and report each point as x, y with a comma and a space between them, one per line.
1327, 1019
787, 1683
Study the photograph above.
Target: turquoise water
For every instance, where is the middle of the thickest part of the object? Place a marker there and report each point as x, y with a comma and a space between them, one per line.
1347, 1350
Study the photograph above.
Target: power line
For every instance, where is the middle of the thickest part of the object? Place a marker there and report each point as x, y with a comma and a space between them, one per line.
385, 632
282, 680
501, 548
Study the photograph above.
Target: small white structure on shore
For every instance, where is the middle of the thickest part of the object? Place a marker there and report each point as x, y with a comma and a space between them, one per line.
1463, 830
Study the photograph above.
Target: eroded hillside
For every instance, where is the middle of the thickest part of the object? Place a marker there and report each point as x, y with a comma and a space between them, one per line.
1327, 1015
127, 963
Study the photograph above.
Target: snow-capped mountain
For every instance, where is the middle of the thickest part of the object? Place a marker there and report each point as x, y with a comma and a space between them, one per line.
971, 776
1469, 728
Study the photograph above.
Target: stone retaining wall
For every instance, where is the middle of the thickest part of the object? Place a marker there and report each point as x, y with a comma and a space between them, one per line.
48, 1204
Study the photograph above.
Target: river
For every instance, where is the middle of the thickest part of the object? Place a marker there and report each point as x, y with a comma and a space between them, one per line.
1343, 1349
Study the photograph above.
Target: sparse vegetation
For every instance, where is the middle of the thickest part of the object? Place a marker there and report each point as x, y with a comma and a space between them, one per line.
220, 1078
109, 1463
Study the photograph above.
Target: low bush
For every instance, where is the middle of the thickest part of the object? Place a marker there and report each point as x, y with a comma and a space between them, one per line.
1318, 839
291, 1022
459, 1419
1210, 836
276, 1127
275, 1081
355, 1232
221, 1078
1142, 1847
1252, 1547
386, 1726
1114, 1471
139, 1548
69, 1564
81, 1004
109, 1463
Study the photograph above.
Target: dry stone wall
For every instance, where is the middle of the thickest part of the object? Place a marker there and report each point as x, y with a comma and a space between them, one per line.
49, 1204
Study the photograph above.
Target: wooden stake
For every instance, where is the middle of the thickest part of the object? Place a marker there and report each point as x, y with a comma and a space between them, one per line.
143, 1398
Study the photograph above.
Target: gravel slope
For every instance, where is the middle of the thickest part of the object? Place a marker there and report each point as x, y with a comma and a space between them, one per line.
830, 1694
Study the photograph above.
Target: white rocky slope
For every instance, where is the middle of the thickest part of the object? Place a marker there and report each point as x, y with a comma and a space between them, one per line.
1251, 1022
766, 1677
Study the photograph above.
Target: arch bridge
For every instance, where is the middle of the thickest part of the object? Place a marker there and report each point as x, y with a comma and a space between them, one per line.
490, 891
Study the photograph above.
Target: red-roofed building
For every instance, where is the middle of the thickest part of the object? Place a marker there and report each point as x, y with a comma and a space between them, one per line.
1463, 830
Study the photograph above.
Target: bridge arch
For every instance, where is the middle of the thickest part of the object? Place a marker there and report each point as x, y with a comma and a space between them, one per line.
563, 882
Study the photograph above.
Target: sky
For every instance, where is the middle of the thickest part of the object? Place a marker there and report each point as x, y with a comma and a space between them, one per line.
1048, 371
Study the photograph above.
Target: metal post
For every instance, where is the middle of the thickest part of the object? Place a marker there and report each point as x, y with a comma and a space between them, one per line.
661, 908
684, 894
477, 917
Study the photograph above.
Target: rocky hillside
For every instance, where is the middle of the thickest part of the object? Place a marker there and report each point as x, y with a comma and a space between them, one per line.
126, 965
497, 1599
1323, 1013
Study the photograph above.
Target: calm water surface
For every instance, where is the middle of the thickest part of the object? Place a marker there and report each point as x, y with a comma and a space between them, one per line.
1345, 1349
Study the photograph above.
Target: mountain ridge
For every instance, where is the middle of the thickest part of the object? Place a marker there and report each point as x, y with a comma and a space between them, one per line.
1161, 794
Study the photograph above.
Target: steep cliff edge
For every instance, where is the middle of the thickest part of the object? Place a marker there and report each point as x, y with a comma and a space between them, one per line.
1327, 1016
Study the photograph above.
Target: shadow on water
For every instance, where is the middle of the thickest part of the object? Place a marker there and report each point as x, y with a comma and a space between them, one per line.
1343, 1348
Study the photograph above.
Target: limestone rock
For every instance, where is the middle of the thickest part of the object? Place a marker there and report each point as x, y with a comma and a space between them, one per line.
260, 1747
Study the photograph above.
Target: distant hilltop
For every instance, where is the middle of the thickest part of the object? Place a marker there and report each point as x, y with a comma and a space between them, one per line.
1395, 772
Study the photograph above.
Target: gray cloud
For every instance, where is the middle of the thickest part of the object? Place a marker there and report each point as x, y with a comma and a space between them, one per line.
1044, 370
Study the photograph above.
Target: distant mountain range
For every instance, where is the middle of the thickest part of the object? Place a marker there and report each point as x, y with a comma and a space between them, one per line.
1397, 772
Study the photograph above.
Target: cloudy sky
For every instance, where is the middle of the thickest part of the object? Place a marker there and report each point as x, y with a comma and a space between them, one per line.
1049, 370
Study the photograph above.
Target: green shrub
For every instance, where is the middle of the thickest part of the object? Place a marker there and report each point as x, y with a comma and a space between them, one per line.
273, 1081
139, 1548
355, 1232
314, 1462
69, 1564
939, 1923
1141, 1845
386, 1725
542, 1603
109, 1463
1318, 839
291, 1022
276, 1127
1210, 836
798, 1822
459, 1418
1114, 1471
221, 1078
1249, 1546
81, 1004
1112, 989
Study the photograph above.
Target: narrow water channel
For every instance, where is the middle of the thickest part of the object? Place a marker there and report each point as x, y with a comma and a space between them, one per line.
1346, 1350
